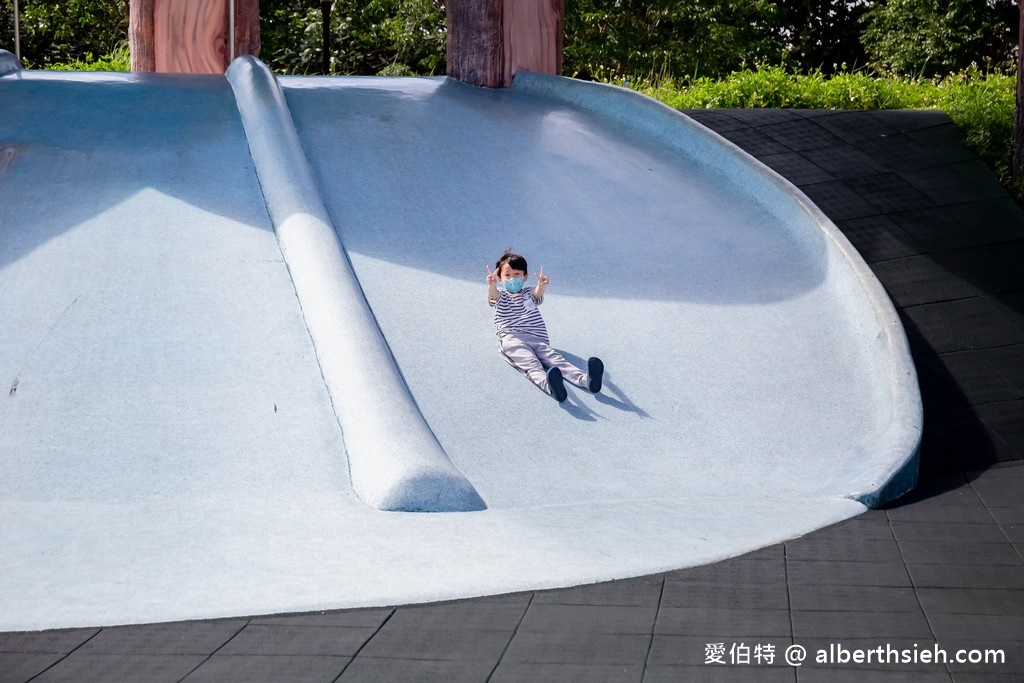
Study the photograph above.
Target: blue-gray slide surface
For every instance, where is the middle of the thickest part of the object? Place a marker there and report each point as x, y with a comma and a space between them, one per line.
248, 363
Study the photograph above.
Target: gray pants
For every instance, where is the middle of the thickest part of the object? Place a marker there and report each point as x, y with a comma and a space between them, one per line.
533, 356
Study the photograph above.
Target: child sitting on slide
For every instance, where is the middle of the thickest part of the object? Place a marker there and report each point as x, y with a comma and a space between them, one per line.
522, 335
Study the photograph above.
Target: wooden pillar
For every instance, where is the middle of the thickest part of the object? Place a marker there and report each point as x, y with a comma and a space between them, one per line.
140, 35
489, 41
533, 31
190, 36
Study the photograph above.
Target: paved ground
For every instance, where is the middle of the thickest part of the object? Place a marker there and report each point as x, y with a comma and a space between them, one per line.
941, 568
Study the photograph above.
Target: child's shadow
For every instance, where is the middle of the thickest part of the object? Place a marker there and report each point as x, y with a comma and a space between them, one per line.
618, 400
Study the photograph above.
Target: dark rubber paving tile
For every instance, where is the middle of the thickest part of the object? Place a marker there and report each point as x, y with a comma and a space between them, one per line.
842, 573
335, 641
840, 550
78, 668
714, 119
998, 577
963, 325
635, 592
763, 117
936, 228
997, 601
899, 153
1007, 420
722, 595
960, 552
364, 670
1009, 362
966, 182
796, 168
180, 638
878, 238
917, 280
736, 570
838, 201
993, 220
453, 643
889, 193
996, 493
909, 120
268, 669
947, 142
853, 598
569, 647
862, 528
801, 134
854, 126
714, 622
567, 673
464, 615
18, 667
948, 531
844, 162
754, 142
847, 624
974, 630
1011, 521
541, 618
61, 641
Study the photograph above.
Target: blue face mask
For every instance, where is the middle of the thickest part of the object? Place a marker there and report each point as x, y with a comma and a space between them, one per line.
513, 285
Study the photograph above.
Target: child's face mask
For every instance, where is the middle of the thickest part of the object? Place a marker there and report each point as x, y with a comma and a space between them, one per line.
513, 285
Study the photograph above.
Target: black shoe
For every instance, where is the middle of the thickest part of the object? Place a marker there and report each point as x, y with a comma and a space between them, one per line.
595, 371
556, 385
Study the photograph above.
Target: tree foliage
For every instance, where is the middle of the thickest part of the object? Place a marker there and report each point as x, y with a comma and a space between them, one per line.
55, 31
365, 37
938, 37
618, 38
612, 39
822, 34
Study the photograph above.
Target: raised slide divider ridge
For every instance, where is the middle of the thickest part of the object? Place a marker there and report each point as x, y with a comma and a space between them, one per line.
8, 63
395, 461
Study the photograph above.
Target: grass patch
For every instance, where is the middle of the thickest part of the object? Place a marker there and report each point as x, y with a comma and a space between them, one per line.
981, 105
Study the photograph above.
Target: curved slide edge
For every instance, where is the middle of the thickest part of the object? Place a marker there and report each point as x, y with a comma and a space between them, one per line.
395, 461
891, 469
8, 63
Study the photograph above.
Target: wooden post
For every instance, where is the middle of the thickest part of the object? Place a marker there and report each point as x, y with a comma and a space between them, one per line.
489, 41
533, 32
190, 36
140, 35
475, 39
247, 28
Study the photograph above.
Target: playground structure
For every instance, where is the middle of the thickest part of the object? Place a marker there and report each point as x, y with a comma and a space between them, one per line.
280, 391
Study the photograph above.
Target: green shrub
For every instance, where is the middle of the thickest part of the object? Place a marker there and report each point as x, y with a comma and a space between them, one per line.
396, 70
120, 59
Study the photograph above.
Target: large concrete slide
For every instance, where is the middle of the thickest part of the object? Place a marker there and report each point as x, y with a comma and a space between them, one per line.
249, 366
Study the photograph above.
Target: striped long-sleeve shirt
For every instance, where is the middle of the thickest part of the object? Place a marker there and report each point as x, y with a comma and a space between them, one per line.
518, 314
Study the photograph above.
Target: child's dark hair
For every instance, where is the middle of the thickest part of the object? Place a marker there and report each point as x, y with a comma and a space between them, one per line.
514, 261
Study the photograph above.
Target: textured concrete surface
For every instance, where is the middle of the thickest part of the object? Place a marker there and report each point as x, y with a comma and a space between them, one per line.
174, 449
